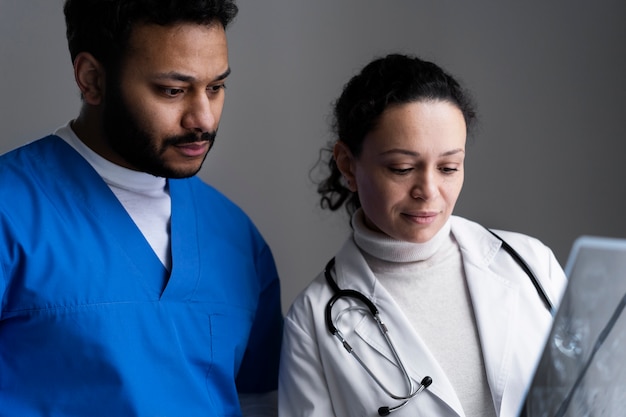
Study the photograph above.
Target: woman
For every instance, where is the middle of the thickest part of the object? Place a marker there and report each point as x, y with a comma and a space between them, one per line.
466, 323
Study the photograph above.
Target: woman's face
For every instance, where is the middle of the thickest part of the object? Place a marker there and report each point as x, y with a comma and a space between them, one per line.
410, 171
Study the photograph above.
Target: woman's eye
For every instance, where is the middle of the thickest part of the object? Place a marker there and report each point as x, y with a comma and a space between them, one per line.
448, 170
400, 171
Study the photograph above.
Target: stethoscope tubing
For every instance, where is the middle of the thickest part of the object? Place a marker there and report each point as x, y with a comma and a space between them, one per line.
373, 310
533, 278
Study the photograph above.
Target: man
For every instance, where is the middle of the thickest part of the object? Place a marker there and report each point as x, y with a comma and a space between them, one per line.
127, 286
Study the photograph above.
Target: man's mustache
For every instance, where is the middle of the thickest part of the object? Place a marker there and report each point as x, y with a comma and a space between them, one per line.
191, 138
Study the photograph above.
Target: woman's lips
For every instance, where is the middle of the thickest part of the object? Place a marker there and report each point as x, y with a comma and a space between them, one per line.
423, 217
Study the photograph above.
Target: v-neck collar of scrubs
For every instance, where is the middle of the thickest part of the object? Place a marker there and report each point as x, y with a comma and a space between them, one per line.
95, 194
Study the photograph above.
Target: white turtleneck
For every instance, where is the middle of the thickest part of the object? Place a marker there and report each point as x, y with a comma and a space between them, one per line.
145, 197
427, 281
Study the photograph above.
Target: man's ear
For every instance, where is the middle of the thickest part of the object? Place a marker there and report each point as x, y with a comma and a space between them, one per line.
89, 75
345, 162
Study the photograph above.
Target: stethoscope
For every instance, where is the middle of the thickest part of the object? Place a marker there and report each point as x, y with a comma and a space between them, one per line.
373, 310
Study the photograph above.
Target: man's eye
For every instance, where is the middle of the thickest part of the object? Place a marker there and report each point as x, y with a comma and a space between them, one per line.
172, 92
448, 170
216, 88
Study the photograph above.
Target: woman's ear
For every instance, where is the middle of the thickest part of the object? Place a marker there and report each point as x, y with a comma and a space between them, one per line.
345, 162
89, 75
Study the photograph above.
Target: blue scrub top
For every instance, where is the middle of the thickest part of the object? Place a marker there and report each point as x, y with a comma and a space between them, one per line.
91, 322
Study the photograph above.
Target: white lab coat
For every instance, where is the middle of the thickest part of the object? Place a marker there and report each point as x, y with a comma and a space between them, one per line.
319, 378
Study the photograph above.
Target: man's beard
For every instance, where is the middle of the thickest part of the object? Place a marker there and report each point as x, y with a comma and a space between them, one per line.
138, 147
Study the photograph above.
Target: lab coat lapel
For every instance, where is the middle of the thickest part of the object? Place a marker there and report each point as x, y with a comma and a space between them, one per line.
495, 307
495, 300
353, 273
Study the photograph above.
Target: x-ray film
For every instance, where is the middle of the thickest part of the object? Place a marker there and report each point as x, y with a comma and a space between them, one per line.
582, 371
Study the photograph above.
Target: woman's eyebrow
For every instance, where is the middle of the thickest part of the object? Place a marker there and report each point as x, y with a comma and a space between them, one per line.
413, 153
453, 152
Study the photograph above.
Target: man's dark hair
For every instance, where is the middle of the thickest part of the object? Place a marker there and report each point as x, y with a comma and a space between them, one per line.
103, 27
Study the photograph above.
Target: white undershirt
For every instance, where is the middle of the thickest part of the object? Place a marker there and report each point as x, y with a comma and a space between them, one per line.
145, 197
427, 281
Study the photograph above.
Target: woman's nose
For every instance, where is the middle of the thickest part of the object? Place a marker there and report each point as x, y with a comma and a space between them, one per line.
425, 187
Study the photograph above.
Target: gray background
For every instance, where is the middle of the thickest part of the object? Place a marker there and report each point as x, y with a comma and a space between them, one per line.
548, 78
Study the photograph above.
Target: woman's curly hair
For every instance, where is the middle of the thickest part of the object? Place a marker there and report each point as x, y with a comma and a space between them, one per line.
393, 79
